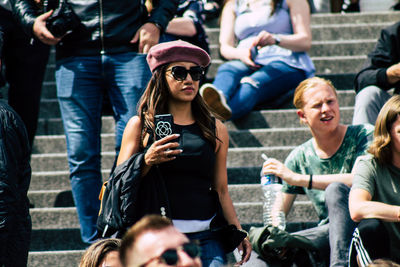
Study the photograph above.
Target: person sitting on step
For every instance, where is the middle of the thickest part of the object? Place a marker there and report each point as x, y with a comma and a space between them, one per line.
374, 197
380, 74
270, 59
321, 168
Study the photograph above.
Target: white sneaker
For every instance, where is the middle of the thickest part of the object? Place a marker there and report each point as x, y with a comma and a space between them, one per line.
216, 101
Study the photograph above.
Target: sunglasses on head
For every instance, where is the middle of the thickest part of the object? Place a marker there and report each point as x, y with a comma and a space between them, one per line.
170, 256
180, 73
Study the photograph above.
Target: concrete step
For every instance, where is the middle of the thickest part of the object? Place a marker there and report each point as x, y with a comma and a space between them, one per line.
329, 32
59, 180
54, 126
326, 48
248, 213
278, 118
341, 48
336, 18
49, 108
66, 258
237, 157
56, 239
323, 65
355, 18
55, 180
238, 138
63, 198
56, 143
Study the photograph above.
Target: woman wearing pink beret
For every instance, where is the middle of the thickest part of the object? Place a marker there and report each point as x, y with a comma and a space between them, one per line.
192, 153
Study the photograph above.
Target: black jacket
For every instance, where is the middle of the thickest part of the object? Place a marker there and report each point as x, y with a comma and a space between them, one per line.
15, 170
128, 196
385, 54
107, 26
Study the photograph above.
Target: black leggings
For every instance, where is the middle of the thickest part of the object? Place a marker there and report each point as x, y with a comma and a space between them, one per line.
370, 241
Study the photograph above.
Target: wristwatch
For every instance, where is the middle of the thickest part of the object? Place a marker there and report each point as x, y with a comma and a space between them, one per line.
277, 39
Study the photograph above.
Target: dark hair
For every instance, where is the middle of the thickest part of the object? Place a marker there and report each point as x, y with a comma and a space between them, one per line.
275, 4
95, 254
147, 223
155, 101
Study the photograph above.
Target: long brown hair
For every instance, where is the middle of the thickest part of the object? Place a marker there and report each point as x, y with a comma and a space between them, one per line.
381, 145
155, 101
275, 4
95, 254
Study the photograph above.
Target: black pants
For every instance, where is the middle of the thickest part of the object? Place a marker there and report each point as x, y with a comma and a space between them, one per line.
25, 61
370, 241
15, 238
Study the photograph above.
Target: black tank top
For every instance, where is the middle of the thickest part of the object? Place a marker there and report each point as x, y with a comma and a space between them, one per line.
188, 178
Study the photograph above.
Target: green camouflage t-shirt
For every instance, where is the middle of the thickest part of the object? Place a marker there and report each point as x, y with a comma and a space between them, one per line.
303, 159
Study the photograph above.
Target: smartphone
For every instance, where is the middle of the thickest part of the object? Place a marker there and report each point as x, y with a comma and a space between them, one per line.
253, 52
163, 125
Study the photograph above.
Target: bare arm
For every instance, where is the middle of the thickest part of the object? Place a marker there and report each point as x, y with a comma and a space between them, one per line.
227, 37
393, 73
288, 200
361, 207
220, 184
318, 181
300, 40
181, 26
148, 35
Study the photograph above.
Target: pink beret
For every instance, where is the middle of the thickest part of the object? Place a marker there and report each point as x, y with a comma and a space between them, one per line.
174, 51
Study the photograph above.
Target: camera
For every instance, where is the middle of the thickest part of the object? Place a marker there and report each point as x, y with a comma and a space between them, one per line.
63, 20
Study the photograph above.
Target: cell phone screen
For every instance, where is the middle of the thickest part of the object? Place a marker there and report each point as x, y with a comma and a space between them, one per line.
253, 52
163, 125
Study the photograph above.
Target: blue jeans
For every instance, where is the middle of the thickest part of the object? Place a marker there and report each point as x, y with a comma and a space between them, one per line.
333, 239
266, 84
369, 102
212, 253
81, 82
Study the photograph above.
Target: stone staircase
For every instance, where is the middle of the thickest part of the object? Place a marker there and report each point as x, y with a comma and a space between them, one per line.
340, 43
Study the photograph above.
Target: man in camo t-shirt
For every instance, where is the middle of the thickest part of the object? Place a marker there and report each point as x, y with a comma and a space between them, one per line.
321, 167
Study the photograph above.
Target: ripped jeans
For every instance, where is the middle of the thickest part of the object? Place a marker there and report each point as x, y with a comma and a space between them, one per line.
244, 87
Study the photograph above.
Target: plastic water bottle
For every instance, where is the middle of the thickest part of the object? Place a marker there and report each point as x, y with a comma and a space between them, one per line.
272, 200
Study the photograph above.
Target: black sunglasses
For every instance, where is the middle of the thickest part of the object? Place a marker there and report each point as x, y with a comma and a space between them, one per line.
170, 256
180, 73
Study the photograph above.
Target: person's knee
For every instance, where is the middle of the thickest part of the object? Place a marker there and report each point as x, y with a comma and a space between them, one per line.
368, 227
231, 66
248, 80
336, 191
369, 96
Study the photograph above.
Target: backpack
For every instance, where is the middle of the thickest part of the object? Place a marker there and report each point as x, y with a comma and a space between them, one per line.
127, 196
111, 219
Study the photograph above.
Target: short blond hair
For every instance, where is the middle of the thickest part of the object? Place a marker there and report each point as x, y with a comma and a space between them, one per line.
298, 100
381, 145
